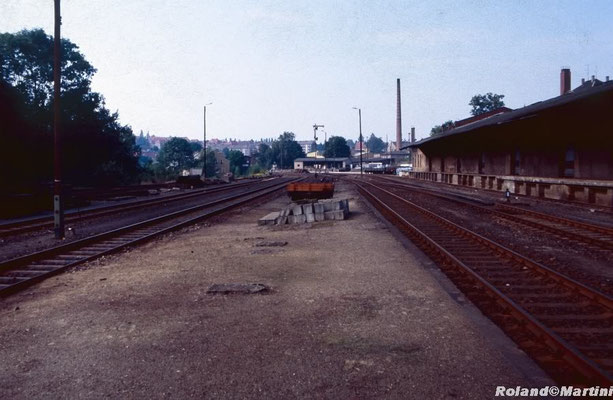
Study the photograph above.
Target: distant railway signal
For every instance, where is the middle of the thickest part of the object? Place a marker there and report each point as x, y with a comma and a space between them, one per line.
315, 127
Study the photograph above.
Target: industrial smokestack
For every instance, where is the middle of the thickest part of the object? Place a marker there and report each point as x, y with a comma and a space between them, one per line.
398, 117
564, 81
412, 134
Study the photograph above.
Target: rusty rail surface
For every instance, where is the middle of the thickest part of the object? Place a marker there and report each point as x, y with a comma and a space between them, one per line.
43, 222
571, 229
564, 325
24, 271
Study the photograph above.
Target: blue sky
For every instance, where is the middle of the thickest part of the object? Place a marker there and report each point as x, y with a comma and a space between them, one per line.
274, 66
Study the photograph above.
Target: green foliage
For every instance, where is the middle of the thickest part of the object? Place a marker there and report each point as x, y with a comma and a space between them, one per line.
285, 150
211, 163
96, 150
438, 129
237, 159
375, 144
264, 156
26, 62
482, 103
142, 141
196, 147
336, 146
175, 156
256, 170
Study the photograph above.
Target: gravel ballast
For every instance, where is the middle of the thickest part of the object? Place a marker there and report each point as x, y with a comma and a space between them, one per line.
349, 312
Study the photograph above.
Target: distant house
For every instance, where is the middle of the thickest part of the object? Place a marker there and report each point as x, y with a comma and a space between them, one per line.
356, 149
222, 164
307, 146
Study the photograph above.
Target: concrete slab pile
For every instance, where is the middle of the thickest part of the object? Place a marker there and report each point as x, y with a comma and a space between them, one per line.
322, 210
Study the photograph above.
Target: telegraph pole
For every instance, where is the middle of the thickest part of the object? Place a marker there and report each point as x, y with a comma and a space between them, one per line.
204, 143
58, 206
360, 117
361, 140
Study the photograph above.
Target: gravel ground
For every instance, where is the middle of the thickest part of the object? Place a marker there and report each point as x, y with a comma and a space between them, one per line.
352, 314
588, 264
581, 212
22, 244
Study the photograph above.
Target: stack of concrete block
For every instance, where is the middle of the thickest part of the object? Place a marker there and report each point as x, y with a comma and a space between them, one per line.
321, 210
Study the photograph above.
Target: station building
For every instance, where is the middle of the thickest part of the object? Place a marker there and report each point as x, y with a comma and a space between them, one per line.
561, 148
317, 163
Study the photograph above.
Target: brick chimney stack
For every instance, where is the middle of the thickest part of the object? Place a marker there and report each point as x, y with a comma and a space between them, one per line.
398, 117
564, 81
412, 134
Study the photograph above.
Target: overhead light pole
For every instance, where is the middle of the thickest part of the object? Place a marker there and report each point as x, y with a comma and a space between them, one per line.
58, 206
204, 144
361, 140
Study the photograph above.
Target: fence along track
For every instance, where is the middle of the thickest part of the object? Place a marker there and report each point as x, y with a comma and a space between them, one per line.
24, 271
565, 326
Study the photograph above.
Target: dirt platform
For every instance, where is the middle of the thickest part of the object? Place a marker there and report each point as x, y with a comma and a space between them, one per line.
351, 313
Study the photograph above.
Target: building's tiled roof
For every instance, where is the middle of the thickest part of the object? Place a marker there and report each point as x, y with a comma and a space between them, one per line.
525, 112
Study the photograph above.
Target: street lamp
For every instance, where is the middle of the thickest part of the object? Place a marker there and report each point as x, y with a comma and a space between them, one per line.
204, 151
360, 117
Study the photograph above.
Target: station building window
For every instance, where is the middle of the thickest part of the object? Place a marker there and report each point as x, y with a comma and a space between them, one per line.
516, 163
569, 163
482, 163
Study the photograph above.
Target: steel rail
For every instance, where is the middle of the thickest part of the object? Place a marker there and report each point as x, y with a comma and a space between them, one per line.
605, 242
575, 203
566, 221
17, 227
589, 369
20, 272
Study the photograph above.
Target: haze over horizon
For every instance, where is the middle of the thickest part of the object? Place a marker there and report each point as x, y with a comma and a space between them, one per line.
283, 66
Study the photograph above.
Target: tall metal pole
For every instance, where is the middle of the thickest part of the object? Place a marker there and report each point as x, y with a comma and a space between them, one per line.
58, 207
360, 116
204, 143
204, 147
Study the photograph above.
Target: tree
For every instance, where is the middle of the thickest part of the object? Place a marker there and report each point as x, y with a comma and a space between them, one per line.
484, 103
264, 156
375, 144
211, 163
26, 62
336, 146
438, 129
196, 146
285, 150
237, 160
97, 149
142, 141
175, 156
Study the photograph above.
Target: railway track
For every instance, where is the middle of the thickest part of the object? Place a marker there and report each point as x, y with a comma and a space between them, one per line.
46, 222
564, 325
590, 234
452, 186
26, 270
